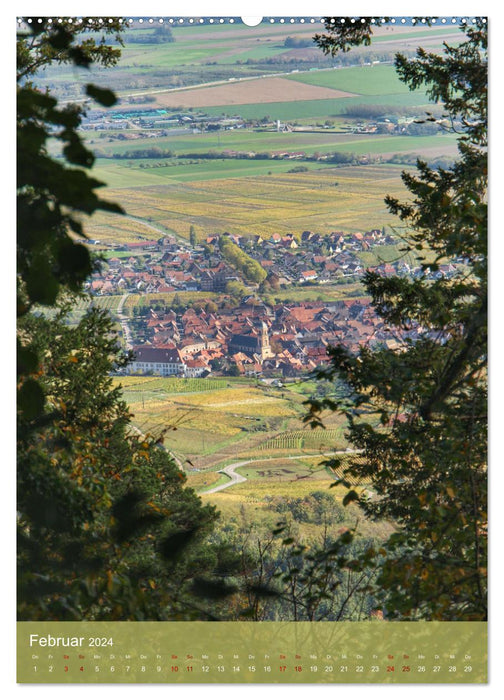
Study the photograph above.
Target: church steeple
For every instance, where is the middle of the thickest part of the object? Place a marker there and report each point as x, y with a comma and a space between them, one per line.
265, 345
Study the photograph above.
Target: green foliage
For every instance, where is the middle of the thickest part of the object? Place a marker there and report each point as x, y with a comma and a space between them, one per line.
233, 370
295, 42
161, 35
236, 289
103, 513
54, 194
281, 577
319, 507
426, 457
298, 169
342, 36
106, 528
51, 195
140, 153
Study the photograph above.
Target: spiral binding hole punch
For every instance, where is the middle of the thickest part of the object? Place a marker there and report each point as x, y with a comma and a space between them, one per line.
253, 21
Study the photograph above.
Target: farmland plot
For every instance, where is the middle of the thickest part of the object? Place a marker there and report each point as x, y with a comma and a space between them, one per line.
280, 202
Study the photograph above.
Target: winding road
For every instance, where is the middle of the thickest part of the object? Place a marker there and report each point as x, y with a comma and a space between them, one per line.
239, 479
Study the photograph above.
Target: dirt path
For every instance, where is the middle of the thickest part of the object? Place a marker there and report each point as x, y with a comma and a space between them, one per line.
180, 239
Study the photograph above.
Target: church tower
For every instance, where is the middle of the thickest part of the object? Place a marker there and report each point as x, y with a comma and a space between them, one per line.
265, 345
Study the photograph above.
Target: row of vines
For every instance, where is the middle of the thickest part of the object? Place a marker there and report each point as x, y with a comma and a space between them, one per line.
302, 439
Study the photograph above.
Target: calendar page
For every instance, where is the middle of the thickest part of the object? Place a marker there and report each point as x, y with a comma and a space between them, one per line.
252, 342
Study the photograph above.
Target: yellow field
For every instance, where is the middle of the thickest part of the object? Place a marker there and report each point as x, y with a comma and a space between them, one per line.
199, 480
134, 300
219, 413
253, 501
282, 203
113, 228
242, 400
208, 427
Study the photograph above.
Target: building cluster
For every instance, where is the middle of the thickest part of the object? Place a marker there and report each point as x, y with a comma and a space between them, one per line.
166, 265
250, 337
152, 118
256, 339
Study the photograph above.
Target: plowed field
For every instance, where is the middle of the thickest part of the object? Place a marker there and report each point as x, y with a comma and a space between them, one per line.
258, 91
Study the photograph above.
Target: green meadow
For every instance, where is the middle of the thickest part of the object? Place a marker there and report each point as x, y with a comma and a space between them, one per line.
262, 141
365, 80
318, 109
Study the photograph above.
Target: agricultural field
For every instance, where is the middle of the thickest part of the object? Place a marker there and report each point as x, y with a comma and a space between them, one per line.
203, 480
155, 387
231, 49
324, 292
304, 439
287, 490
168, 195
281, 202
212, 421
295, 469
135, 301
193, 170
114, 228
337, 85
107, 303
363, 80
82, 304
283, 470
257, 90
263, 502
259, 140
321, 109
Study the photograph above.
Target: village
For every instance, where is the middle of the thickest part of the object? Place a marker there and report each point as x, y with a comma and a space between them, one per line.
233, 330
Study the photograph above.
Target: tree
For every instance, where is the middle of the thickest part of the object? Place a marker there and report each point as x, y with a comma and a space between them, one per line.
106, 527
211, 307
233, 370
281, 576
276, 346
250, 268
236, 289
216, 364
53, 194
193, 236
207, 250
161, 35
418, 413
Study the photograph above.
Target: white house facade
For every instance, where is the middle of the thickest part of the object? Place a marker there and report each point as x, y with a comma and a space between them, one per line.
164, 362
